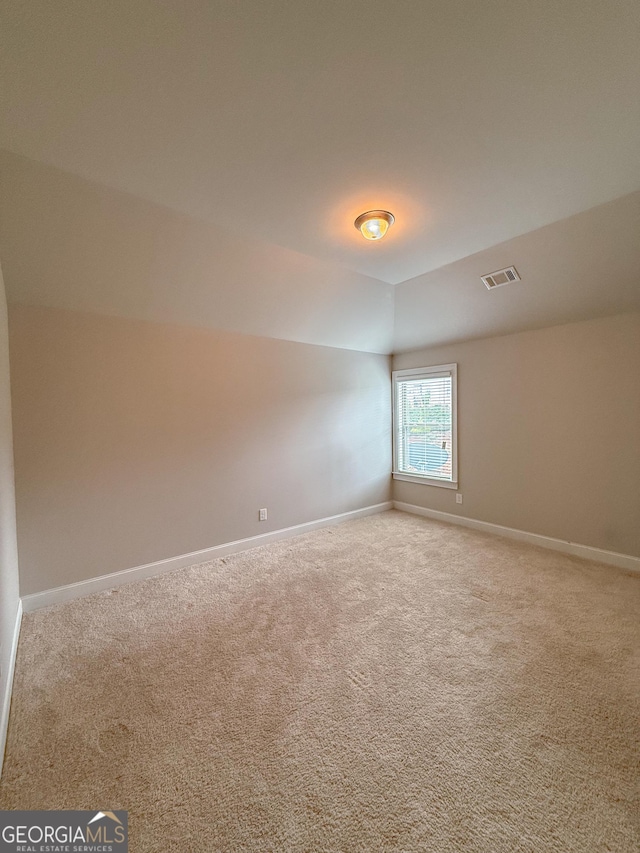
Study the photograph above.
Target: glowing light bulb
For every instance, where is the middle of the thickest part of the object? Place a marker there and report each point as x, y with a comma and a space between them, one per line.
374, 224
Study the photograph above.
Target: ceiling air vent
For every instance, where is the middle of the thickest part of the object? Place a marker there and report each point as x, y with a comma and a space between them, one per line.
497, 279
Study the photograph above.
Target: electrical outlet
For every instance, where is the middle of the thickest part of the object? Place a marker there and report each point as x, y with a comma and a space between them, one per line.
458, 498
262, 514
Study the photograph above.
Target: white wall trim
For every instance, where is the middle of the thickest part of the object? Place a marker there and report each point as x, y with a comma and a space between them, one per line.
612, 558
87, 587
6, 698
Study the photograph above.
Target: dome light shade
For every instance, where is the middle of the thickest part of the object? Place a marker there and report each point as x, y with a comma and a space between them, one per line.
374, 224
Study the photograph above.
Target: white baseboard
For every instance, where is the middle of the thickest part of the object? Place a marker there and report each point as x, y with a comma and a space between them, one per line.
77, 590
6, 697
612, 558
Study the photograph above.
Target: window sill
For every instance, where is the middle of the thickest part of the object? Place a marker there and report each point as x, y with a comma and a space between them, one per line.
426, 481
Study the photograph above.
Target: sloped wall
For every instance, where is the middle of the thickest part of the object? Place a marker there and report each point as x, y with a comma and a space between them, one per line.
70, 243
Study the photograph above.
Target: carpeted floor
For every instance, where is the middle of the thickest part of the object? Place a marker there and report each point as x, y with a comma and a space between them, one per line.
390, 684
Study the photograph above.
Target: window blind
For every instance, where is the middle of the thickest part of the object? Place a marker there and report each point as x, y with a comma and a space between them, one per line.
424, 426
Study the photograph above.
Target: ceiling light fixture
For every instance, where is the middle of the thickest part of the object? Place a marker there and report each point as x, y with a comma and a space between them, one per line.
374, 224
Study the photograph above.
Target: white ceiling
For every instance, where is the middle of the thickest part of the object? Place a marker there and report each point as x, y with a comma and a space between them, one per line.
473, 122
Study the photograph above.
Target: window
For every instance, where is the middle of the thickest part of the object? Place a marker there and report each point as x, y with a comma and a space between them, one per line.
424, 427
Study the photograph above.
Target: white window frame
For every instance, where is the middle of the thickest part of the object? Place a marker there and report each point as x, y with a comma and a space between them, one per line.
421, 373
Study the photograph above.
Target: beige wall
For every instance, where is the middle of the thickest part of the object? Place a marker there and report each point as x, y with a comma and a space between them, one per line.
549, 432
9, 593
137, 441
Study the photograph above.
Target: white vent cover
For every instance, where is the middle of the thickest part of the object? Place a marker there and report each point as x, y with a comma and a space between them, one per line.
500, 277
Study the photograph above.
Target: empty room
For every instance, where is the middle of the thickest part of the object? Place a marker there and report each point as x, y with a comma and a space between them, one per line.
319, 426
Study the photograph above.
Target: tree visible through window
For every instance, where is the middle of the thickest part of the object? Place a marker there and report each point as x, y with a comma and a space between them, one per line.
425, 424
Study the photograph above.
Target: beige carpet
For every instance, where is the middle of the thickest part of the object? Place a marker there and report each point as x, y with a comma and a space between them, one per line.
389, 684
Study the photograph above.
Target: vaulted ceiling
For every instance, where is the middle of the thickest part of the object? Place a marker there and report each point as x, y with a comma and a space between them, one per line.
472, 122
